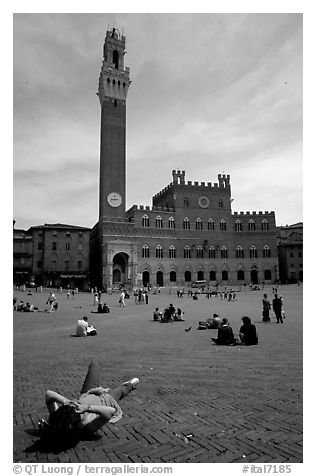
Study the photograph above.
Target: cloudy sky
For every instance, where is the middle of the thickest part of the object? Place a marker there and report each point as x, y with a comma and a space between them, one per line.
210, 94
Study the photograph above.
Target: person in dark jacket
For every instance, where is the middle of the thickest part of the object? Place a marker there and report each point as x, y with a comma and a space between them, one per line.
248, 332
277, 308
225, 335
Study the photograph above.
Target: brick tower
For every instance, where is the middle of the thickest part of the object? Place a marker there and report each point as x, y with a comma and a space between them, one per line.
113, 86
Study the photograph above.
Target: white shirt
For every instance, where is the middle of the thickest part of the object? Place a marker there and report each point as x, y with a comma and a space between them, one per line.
81, 328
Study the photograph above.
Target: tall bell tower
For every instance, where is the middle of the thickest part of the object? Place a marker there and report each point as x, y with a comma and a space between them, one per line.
113, 87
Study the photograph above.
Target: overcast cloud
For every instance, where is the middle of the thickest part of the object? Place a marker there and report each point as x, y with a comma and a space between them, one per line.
210, 93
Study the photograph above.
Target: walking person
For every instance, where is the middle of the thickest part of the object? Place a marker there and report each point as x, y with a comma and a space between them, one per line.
277, 308
122, 299
266, 309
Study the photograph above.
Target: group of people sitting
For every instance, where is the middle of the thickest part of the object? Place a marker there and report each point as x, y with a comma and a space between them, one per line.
28, 307
102, 309
170, 314
247, 333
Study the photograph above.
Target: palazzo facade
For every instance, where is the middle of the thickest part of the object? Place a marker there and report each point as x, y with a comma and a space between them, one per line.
189, 233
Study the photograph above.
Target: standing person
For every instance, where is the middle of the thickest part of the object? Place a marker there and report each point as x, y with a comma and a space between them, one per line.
69, 420
248, 332
266, 309
122, 299
73, 293
277, 308
96, 298
146, 298
68, 293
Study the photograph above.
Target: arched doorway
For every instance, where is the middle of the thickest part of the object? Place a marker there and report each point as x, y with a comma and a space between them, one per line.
254, 276
146, 278
200, 275
116, 276
187, 277
159, 278
224, 275
212, 275
120, 266
240, 275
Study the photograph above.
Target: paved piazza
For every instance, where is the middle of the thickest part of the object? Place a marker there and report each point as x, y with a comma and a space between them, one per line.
196, 402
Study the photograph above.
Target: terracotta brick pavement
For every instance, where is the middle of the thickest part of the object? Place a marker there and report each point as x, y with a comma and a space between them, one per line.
196, 402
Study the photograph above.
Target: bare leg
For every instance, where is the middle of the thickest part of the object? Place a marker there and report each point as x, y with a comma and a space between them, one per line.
92, 379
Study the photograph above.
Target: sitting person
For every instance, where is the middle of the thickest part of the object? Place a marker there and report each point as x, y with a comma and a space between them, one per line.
225, 335
248, 332
69, 420
100, 308
172, 310
28, 307
179, 315
195, 298
167, 316
20, 306
105, 309
157, 315
214, 322
82, 325
91, 331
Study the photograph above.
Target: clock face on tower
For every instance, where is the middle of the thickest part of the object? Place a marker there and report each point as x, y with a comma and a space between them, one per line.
203, 201
114, 199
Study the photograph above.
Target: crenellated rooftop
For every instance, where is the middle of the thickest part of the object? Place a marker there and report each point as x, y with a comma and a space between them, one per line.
253, 213
179, 179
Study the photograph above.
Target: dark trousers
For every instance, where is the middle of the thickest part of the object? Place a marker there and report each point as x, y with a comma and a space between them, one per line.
278, 316
92, 380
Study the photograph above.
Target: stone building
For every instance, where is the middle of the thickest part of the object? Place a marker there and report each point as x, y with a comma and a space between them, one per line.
189, 233
52, 255
290, 251
22, 256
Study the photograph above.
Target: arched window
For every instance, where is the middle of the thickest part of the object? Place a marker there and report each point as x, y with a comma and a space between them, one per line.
266, 252
210, 225
212, 275
253, 252
222, 225
187, 252
211, 252
264, 225
172, 252
239, 252
224, 275
251, 225
159, 252
220, 203
198, 224
224, 253
238, 225
186, 201
145, 251
145, 221
240, 275
199, 252
173, 277
186, 224
158, 222
171, 223
115, 57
